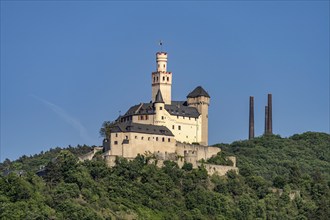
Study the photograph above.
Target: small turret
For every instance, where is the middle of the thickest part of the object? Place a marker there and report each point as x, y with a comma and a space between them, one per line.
159, 106
161, 60
200, 100
159, 97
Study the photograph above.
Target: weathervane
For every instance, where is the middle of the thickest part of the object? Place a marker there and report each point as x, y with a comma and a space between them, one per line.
161, 45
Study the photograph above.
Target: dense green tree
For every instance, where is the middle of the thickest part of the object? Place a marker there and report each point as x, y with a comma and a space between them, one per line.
279, 178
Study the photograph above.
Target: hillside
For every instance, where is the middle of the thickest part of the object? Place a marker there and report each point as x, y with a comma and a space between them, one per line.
280, 178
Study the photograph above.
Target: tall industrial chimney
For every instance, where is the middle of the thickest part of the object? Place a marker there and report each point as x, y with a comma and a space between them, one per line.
266, 119
251, 118
270, 115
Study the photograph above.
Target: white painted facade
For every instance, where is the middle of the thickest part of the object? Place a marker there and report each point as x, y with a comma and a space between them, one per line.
164, 126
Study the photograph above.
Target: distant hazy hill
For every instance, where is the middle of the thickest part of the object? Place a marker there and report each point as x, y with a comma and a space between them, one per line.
280, 178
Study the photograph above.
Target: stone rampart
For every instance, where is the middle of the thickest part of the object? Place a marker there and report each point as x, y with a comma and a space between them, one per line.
90, 155
218, 169
203, 152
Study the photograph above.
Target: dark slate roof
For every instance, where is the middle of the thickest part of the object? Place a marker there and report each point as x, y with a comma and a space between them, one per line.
178, 108
141, 109
141, 128
197, 92
159, 97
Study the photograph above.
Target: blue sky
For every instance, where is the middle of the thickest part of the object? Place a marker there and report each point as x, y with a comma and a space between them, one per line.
68, 66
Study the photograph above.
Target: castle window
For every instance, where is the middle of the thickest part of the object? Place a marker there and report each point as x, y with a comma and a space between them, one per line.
179, 127
157, 78
141, 117
154, 79
173, 127
135, 137
162, 117
116, 142
142, 138
177, 116
163, 78
156, 138
116, 135
160, 108
163, 139
146, 117
148, 138
169, 139
189, 118
164, 65
168, 79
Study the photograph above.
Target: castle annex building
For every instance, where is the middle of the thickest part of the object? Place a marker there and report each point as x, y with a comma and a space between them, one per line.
165, 128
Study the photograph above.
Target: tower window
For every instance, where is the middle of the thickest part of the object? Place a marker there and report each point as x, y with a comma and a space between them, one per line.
160, 108
163, 78
173, 127
163, 139
154, 79
156, 138
179, 127
168, 79
164, 65
162, 117
116, 142
169, 139
157, 78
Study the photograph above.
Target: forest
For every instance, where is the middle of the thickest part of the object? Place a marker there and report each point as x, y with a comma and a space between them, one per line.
279, 178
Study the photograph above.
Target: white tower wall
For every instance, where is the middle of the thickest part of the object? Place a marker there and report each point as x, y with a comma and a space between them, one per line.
162, 80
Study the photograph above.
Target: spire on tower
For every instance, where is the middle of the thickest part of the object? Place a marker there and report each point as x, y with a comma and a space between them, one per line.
159, 97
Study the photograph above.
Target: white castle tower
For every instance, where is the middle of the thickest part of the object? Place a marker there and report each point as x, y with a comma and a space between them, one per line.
161, 79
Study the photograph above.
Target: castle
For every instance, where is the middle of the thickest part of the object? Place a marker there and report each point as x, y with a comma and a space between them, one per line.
169, 130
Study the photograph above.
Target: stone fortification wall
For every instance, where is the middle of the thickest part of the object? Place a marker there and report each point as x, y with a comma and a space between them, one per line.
218, 169
202, 152
90, 155
110, 160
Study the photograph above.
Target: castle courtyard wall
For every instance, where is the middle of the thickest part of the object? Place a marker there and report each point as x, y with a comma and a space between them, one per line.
203, 152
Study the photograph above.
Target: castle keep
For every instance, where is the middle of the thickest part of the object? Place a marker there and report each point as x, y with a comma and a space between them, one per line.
169, 130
